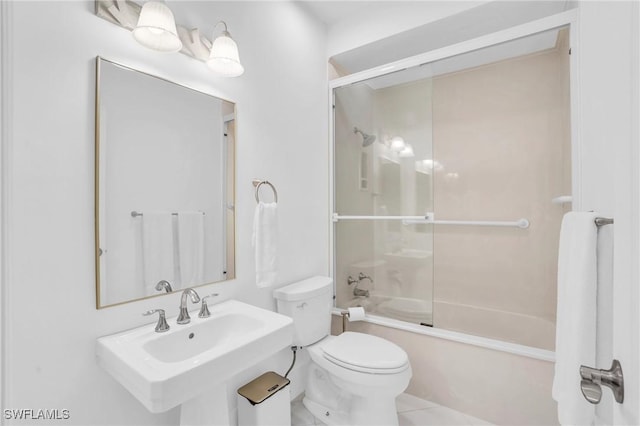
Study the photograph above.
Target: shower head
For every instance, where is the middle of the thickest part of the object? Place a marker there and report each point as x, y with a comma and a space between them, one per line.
366, 139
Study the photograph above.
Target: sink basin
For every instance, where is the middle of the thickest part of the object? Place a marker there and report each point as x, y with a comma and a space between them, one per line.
189, 342
164, 370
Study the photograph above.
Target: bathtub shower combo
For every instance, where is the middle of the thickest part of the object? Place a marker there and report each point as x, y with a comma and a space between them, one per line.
450, 181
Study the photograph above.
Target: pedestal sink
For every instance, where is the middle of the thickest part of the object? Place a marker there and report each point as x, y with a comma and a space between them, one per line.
192, 361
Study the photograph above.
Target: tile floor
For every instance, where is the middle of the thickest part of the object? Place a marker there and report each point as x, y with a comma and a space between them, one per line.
412, 411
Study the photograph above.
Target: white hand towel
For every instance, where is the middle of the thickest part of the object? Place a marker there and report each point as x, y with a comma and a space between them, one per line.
157, 249
265, 242
191, 248
576, 316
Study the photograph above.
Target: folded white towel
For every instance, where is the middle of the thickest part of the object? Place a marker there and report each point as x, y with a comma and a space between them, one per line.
191, 248
576, 315
265, 242
157, 249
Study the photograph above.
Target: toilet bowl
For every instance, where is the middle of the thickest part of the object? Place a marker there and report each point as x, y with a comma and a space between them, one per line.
366, 371
354, 378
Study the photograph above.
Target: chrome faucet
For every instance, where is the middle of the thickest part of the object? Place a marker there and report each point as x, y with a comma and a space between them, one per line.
183, 317
204, 309
162, 325
164, 285
358, 291
362, 276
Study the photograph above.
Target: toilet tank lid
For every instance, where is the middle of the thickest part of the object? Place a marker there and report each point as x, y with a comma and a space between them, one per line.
304, 289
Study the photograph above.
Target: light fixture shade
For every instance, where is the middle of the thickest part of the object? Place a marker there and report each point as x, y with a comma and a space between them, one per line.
397, 144
224, 59
407, 152
156, 28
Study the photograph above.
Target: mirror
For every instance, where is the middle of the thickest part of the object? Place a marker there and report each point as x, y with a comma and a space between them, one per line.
164, 186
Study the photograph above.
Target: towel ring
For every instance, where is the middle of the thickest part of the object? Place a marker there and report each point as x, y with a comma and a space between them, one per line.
257, 183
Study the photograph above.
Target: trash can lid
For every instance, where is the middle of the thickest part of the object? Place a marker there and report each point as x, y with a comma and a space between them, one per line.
261, 388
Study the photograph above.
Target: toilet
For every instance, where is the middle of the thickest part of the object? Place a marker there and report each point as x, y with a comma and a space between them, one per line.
354, 378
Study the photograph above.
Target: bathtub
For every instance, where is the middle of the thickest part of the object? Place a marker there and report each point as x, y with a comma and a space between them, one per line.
506, 326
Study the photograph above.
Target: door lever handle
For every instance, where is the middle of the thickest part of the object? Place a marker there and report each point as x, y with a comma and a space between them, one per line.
593, 379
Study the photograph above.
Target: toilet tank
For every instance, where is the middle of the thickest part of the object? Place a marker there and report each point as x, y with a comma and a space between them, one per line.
309, 302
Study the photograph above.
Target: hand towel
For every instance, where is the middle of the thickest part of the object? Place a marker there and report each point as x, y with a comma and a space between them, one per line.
576, 315
191, 248
157, 249
265, 243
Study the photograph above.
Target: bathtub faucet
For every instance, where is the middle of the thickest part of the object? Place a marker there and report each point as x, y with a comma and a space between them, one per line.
358, 291
362, 276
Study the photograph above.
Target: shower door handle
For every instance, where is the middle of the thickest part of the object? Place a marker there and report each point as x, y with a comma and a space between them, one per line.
593, 379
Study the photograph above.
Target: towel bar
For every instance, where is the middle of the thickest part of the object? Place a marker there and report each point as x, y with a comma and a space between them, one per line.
601, 221
428, 219
136, 214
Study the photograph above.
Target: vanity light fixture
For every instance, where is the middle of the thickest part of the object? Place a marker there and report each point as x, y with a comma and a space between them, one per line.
153, 26
407, 152
156, 28
397, 144
224, 58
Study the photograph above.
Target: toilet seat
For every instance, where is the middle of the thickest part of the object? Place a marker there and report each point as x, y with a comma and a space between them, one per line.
365, 353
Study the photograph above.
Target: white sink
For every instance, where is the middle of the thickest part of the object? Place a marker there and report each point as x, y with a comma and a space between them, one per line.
164, 370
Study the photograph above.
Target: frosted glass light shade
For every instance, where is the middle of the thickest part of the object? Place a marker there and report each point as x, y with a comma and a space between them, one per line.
156, 28
397, 144
224, 59
407, 152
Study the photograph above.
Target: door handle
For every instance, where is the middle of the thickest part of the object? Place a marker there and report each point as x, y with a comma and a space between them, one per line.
593, 379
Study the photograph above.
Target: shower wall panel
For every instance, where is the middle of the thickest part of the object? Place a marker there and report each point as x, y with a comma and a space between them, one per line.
502, 134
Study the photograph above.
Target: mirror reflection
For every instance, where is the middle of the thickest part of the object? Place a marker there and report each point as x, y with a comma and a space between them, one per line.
164, 186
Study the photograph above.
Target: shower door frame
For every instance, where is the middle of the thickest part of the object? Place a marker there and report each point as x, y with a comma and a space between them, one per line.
565, 19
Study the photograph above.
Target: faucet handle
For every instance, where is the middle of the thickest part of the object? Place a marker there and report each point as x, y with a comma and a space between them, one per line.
363, 276
162, 325
204, 309
164, 285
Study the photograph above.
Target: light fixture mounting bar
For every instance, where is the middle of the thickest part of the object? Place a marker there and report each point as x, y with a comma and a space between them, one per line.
125, 13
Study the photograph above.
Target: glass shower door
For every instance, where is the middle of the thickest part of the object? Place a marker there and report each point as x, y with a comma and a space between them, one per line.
383, 192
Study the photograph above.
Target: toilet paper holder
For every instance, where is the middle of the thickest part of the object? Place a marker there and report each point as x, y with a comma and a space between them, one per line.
346, 315
593, 379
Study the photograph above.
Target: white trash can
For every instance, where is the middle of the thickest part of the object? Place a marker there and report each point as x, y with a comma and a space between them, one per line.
265, 401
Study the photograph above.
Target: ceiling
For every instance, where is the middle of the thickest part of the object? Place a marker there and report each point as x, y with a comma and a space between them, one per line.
331, 11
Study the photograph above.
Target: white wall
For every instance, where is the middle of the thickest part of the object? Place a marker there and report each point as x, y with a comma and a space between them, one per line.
49, 306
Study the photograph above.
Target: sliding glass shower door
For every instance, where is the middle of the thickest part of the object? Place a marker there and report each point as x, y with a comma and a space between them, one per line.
383, 192
450, 182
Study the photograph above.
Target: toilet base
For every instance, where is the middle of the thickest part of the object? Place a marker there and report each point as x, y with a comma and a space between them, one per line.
326, 415
333, 405
361, 414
